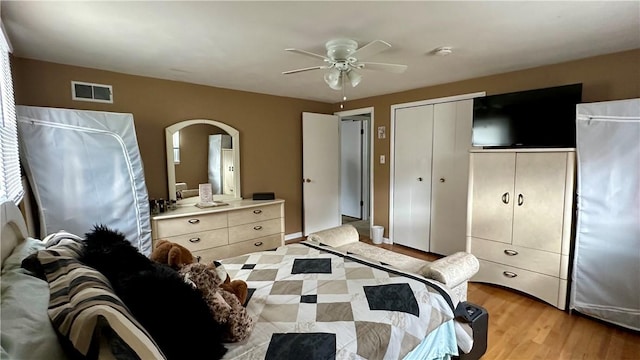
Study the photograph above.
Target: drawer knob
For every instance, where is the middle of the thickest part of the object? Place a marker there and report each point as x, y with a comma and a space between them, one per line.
194, 240
509, 274
257, 211
259, 243
198, 258
511, 252
194, 221
257, 227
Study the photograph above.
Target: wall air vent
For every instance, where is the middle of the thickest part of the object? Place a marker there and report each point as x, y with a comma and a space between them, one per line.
83, 91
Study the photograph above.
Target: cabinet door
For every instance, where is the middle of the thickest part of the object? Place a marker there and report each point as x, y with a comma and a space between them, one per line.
539, 200
492, 183
228, 172
413, 130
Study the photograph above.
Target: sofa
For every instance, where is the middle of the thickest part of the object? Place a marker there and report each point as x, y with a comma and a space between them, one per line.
454, 271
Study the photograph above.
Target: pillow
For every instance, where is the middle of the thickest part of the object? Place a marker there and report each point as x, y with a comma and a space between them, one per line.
25, 326
85, 311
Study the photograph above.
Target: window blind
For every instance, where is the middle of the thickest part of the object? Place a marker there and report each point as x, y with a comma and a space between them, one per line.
10, 178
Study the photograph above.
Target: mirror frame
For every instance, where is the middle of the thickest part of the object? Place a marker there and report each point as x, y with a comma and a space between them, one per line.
171, 170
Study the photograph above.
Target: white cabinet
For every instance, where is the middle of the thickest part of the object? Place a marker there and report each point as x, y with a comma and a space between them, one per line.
429, 175
519, 220
216, 233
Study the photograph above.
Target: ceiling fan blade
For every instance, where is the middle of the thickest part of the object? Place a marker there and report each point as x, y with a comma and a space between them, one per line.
307, 53
354, 77
371, 49
392, 68
303, 69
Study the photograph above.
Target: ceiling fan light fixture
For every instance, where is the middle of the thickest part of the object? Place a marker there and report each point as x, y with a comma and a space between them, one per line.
333, 78
354, 78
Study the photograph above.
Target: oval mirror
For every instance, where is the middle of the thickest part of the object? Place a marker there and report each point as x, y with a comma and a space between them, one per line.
202, 151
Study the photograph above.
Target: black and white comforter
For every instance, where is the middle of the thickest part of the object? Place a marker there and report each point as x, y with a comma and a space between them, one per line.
313, 302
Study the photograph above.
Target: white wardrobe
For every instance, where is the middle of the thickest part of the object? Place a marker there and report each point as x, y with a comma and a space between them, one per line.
519, 221
429, 173
606, 266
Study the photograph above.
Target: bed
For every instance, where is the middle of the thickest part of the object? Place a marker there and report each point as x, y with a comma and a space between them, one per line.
306, 298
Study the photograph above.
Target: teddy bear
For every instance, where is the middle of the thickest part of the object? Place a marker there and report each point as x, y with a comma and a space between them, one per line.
225, 306
172, 254
177, 256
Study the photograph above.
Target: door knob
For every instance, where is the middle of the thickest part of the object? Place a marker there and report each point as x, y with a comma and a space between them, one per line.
306, 180
419, 179
442, 180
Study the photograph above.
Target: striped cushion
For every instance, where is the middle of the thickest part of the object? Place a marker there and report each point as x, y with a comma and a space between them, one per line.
84, 309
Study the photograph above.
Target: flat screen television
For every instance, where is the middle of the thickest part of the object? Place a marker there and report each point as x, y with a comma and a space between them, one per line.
528, 119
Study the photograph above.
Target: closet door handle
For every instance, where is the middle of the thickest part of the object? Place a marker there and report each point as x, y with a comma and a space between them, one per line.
505, 198
194, 240
194, 221
509, 274
520, 199
511, 252
257, 212
257, 227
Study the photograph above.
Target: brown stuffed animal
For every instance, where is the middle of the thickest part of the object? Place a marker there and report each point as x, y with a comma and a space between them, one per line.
172, 254
225, 306
237, 287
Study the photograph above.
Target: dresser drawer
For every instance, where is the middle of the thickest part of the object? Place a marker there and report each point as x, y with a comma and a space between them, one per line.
189, 224
245, 247
254, 230
524, 258
202, 240
542, 286
258, 213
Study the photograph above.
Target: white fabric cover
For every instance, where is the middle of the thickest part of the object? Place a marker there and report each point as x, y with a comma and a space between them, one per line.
85, 169
607, 252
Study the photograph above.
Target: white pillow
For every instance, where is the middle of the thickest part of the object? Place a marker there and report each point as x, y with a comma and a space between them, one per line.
27, 332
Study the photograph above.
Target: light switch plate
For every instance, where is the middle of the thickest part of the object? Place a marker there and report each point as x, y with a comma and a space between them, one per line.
382, 159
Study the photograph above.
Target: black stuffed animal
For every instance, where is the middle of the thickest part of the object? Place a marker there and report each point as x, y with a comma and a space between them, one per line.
174, 313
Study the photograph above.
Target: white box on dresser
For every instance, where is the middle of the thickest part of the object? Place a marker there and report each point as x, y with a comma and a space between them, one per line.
519, 219
238, 228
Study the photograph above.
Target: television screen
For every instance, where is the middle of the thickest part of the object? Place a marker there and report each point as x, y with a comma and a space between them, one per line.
534, 118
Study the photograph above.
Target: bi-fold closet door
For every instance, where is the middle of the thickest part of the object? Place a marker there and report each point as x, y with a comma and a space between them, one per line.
429, 176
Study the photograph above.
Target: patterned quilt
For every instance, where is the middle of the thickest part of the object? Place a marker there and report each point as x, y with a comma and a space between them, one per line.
314, 302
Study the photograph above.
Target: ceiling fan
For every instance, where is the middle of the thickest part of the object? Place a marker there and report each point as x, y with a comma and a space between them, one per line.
343, 59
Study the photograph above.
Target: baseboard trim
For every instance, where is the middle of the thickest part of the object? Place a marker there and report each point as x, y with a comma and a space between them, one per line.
293, 236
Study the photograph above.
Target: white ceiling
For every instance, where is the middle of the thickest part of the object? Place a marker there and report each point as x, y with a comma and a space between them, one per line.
240, 45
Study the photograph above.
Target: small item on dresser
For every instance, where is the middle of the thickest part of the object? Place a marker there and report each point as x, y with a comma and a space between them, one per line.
264, 196
153, 206
162, 205
206, 193
202, 205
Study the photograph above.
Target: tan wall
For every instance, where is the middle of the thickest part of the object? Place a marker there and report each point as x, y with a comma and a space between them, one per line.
608, 77
270, 126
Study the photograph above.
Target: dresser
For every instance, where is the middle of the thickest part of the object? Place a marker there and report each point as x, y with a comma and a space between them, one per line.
519, 219
241, 227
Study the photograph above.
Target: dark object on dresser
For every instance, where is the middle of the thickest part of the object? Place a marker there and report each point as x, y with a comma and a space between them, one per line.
264, 196
478, 317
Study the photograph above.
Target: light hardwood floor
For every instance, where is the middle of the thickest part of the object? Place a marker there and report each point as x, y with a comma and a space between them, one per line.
523, 328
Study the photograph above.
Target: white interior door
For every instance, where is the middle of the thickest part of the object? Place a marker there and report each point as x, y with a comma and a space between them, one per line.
320, 171
351, 168
412, 136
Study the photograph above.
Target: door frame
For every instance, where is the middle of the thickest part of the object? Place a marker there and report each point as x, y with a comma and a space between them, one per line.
369, 139
391, 132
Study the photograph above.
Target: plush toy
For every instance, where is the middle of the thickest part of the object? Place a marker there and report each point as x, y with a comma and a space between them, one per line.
172, 254
225, 306
236, 287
